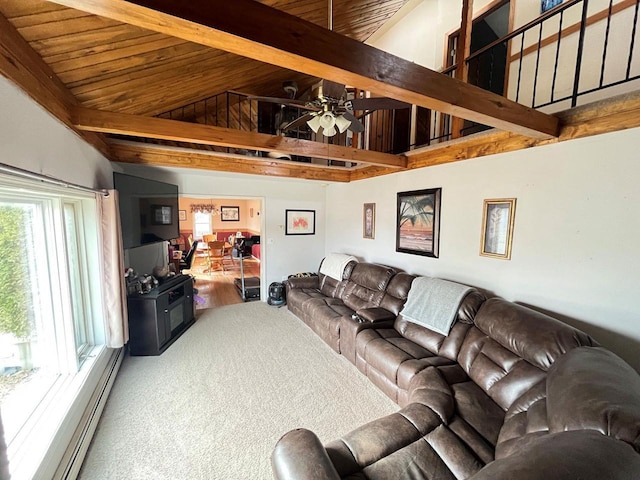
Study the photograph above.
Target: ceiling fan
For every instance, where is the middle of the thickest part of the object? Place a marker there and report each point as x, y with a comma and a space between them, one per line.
330, 108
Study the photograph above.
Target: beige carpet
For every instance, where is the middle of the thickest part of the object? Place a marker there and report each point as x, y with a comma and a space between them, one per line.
216, 402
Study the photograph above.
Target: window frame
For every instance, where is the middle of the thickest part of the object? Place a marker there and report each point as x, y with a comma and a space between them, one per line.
41, 441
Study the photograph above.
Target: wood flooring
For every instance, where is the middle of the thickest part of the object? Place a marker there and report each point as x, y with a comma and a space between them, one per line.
216, 288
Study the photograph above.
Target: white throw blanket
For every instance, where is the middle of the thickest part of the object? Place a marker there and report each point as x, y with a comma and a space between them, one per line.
433, 303
334, 264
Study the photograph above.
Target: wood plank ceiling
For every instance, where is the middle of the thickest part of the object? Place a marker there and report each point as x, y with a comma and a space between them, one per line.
113, 66
94, 63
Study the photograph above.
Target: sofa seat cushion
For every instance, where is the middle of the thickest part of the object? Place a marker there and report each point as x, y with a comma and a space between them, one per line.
391, 361
461, 405
413, 441
323, 315
299, 296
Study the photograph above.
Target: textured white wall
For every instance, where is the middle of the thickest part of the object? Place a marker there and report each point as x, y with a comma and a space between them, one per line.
575, 247
31, 139
417, 32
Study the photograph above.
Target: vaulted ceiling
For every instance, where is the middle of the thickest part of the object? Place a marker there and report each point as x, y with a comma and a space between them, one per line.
105, 67
110, 65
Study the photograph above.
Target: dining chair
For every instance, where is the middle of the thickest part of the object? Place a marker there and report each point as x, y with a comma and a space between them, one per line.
215, 256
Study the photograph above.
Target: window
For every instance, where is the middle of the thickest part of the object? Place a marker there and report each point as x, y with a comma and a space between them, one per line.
50, 303
202, 224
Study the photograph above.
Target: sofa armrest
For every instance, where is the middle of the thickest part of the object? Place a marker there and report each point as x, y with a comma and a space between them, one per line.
375, 314
584, 454
303, 282
300, 455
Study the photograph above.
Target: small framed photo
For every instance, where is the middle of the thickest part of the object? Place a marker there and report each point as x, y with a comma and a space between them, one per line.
160, 215
300, 222
418, 222
498, 217
182, 215
547, 5
229, 214
369, 220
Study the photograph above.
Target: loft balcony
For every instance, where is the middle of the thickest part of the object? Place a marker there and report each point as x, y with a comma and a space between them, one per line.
518, 78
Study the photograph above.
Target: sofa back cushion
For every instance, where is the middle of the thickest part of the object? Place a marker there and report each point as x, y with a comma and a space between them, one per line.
397, 291
444, 346
511, 347
594, 389
366, 285
588, 388
332, 287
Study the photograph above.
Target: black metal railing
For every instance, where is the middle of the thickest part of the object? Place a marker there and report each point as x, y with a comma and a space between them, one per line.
227, 109
548, 62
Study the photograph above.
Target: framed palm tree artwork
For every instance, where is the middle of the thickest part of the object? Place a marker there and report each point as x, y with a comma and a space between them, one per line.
418, 222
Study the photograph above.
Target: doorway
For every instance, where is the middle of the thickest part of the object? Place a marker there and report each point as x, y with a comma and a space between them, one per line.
236, 222
486, 70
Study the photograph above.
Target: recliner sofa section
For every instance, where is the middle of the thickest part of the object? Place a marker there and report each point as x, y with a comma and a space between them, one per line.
391, 356
509, 393
324, 303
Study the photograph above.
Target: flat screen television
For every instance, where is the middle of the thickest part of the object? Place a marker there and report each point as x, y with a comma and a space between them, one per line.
148, 210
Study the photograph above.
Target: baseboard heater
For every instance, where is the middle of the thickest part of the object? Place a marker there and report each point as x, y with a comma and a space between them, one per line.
74, 456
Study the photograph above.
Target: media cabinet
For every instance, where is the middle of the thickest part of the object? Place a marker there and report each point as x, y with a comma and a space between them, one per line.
158, 318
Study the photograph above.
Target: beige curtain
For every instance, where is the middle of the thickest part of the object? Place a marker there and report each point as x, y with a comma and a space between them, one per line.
115, 293
4, 461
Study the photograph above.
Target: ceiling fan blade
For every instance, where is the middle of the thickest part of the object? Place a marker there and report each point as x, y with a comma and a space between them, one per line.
298, 122
356, 125
378, 103
283, 101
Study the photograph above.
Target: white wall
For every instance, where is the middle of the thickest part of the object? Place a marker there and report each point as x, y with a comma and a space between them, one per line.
417, 32
33, 140
575, 247
281, 255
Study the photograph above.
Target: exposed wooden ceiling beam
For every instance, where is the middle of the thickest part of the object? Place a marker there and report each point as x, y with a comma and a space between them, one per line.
160, 128
154, 155
254, 30
23, 66
606, 116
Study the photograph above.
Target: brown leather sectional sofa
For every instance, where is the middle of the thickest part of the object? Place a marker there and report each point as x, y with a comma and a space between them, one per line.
510, 393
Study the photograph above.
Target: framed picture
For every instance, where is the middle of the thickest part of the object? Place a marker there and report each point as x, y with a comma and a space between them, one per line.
547, 5
300, 222
229, 214
497, 227
418, 222
160, 215
182, 215
369, 220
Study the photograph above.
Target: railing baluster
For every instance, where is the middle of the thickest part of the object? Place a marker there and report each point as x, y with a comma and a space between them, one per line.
606, 42
583, 27
555, 65
633, 39
520, 66
535, 75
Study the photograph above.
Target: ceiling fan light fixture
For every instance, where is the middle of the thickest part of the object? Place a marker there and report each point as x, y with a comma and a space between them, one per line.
342, 123
327, 121
329, 132
314, 123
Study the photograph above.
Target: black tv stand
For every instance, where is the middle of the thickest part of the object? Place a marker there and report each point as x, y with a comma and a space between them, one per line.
158, 318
